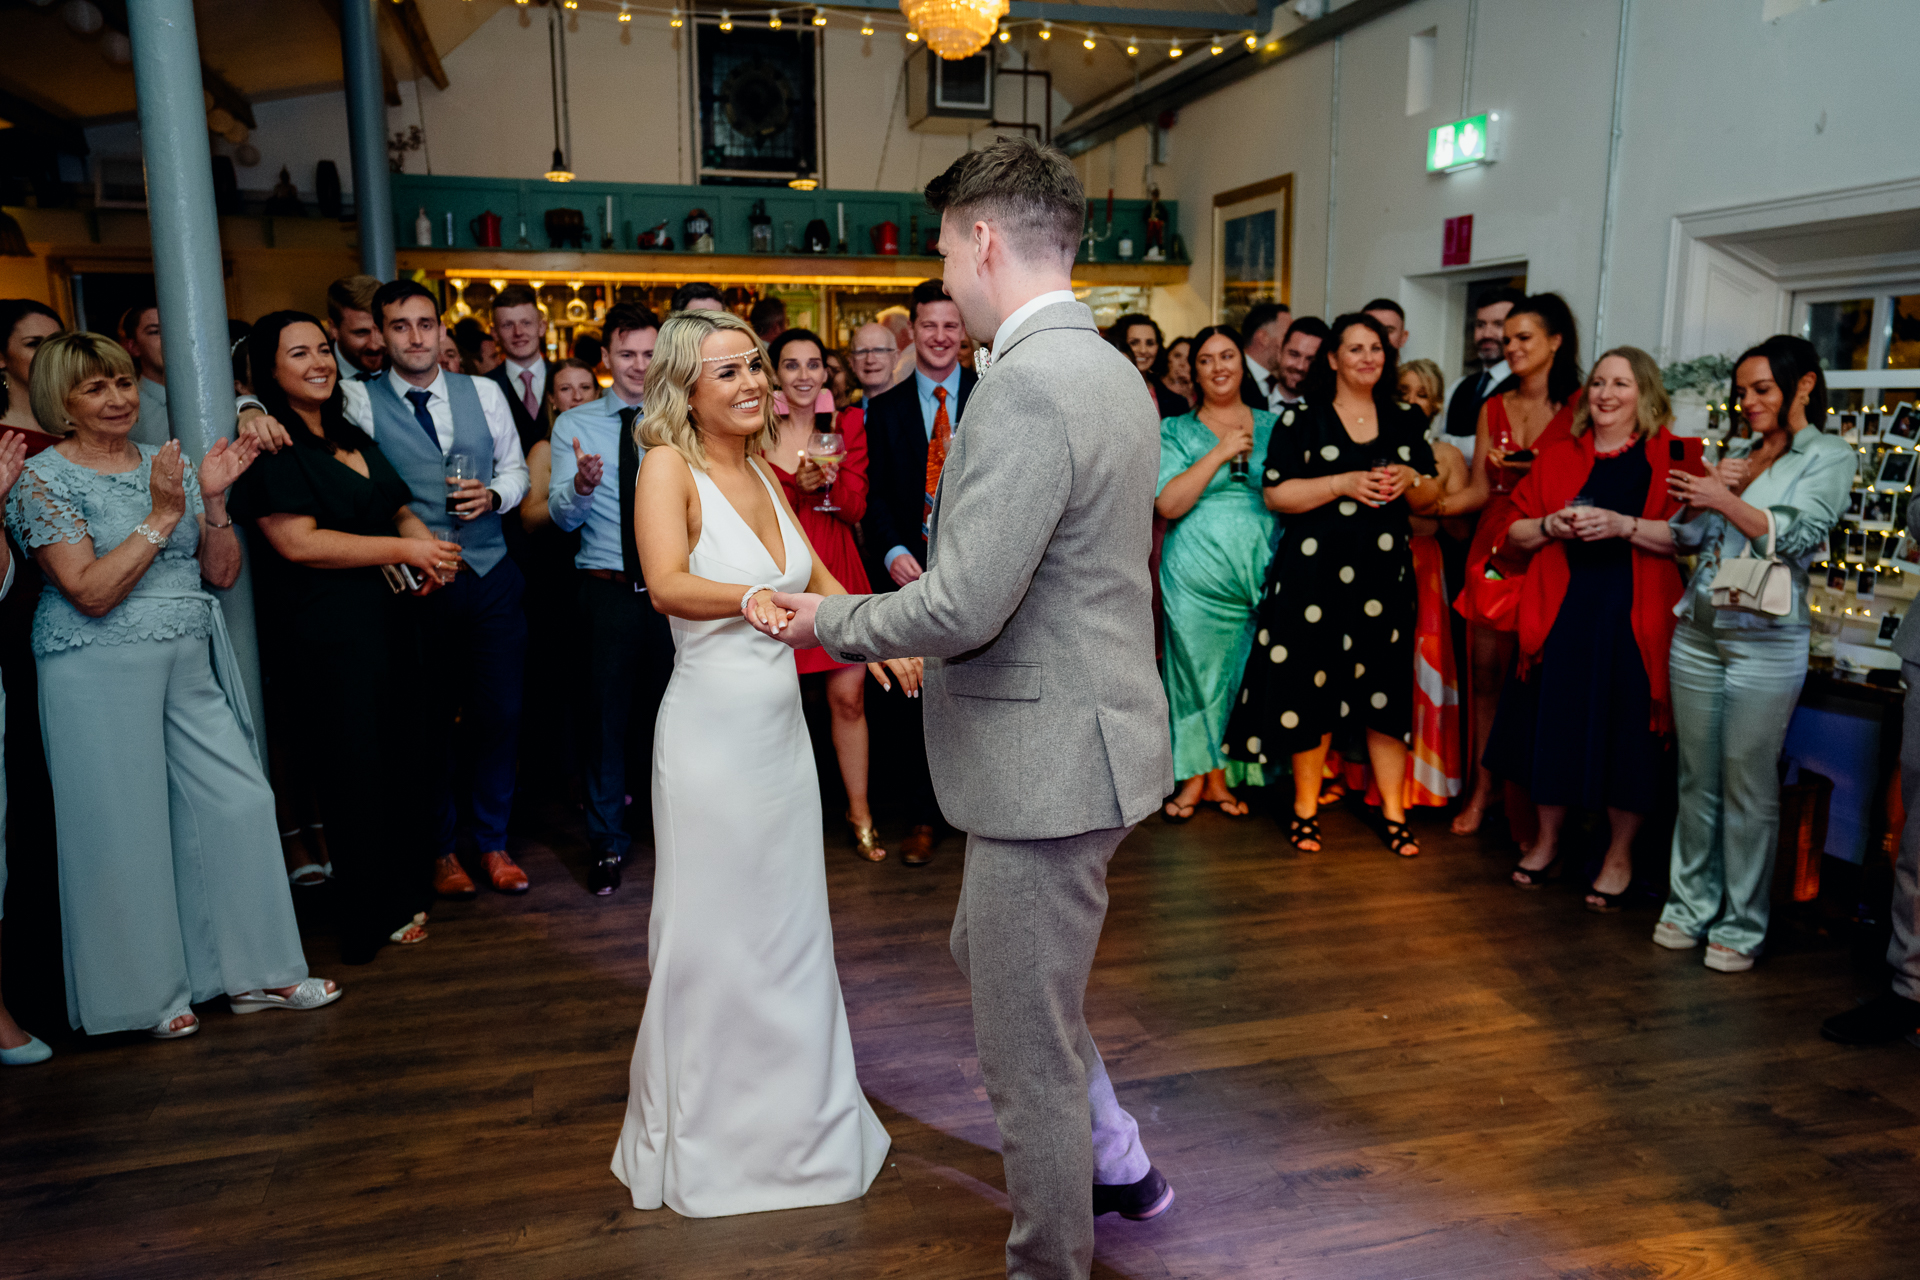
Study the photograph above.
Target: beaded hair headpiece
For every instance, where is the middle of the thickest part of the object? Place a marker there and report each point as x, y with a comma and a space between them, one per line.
737, 356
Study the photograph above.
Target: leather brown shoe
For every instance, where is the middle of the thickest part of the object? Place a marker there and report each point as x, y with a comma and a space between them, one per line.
450, 879
917, 849
505, 875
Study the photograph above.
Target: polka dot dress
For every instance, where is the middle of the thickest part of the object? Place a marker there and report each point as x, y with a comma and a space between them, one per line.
1333, 644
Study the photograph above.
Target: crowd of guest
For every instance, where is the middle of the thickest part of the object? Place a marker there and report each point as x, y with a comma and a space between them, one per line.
1375, 590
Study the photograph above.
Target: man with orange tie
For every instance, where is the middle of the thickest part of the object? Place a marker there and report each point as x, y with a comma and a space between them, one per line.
908, 429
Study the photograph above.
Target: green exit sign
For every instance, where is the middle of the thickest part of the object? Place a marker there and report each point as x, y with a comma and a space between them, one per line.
1475, 140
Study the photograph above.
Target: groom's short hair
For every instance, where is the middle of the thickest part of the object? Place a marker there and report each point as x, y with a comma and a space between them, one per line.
1027, 190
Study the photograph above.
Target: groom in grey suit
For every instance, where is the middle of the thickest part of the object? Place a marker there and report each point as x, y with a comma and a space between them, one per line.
1045, 719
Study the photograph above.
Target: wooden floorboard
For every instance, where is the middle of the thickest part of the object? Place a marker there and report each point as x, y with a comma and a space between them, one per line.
1350, 1065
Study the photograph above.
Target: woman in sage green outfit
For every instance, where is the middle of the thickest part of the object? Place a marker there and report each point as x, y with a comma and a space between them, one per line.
172, 889
1212, 568
1736, 674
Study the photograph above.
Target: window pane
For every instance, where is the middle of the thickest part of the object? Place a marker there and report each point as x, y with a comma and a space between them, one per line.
1840, 332
1903, 344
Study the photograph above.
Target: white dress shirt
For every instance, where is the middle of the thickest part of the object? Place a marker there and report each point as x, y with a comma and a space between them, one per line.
539, 371
1498, 374
509, 463
1011, 325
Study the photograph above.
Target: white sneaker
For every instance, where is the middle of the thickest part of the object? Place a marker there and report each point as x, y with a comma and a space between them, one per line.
1673, 937
1726, 960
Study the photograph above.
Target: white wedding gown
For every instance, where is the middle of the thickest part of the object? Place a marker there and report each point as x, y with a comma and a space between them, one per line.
743, 1095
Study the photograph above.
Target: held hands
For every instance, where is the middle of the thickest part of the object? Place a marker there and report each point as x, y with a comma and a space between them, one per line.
224, 463
590, 470
766, 617
472, 498
800, 607
13, 460
904, 569
909, 670
166, 484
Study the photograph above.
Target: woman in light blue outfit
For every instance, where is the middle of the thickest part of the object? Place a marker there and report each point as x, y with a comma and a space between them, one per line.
1736, 675
172, 889
1213, 567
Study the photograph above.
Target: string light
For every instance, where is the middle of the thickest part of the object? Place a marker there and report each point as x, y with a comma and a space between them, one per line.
1253, 42
773, 22
819, 17
571, 4
1046, 30
726, 20
1176, 50
1088, 42
866, 27
1133, 48
1216, 48
1005, 35
913, 37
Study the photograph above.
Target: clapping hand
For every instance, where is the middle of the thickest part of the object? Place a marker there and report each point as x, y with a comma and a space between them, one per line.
589, 470
166, 485
224, 463
13, 460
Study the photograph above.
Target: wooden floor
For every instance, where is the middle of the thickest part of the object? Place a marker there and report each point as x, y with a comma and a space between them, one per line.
1348, 1065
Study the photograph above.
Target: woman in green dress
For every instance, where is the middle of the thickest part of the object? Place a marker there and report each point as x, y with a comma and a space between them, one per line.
342, 648
1212, 569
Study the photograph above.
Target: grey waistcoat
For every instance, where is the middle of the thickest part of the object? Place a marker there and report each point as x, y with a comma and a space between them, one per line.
424, 468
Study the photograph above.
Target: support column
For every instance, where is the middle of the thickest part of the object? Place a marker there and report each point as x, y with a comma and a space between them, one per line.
187, 275
367, 136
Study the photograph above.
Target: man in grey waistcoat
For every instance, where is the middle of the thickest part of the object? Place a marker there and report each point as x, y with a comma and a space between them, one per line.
1034, 616
1895, 1013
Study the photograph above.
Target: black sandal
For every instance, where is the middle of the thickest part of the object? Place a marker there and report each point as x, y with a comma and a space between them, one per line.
1400, 837
1304, 829
1612, 901
1536, 878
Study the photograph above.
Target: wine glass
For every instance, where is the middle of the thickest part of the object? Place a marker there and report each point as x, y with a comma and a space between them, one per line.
829, 449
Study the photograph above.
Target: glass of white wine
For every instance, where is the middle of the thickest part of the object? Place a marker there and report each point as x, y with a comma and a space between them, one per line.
829, 449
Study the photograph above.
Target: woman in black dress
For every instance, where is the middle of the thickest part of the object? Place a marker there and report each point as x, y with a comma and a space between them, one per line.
1334, 646
343, 647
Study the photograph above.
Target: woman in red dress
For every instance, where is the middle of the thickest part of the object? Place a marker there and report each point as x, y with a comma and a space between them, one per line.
1533, 410
800, 372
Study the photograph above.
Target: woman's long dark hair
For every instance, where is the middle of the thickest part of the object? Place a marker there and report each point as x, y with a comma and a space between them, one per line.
1321, 380
263, 353
1198, 341
1117, 335
12, 312
1564, 379
1790, 360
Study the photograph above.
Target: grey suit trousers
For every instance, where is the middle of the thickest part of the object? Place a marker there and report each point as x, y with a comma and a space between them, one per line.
1904, 951
1024, 935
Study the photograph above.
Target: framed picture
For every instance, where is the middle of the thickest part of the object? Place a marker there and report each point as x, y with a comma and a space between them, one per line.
1252, 247
1856, 504
1850, 428
1864, 584
1869, 427
1903, 428
1896, 473
1889, 623
1906, 555
1856, 545
1878, 513
1837, 576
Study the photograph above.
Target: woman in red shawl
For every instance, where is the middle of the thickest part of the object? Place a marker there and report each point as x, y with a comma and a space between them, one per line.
1581, 726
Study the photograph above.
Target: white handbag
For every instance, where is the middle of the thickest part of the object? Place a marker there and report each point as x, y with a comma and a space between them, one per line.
1753, 583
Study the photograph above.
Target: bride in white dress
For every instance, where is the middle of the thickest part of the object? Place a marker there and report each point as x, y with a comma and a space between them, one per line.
743, 1096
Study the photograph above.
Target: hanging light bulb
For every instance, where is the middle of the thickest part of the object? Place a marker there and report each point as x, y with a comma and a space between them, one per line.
570, 4
773, 22
1253, 42
866, 27
819, 17
1005, 34
726, 20
1176, 50
1133, 47
913, 37
1216, 48
1046, 31
1088, 42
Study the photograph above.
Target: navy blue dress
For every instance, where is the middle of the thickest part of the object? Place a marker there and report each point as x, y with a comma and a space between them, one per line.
1577, 731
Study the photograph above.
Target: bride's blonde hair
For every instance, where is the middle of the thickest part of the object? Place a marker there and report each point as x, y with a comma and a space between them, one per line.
676, 367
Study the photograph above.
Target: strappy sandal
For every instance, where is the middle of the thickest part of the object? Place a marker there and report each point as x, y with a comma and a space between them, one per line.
1175, 818
1400, 838
1536, 878
1300, 829
308, 993
866, 841
414, 930
165, 1030
1609, 902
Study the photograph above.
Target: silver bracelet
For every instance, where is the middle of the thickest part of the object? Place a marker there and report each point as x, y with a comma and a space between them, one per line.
151, 534
751, 593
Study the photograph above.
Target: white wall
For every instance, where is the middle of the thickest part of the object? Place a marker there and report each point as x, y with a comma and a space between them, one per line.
1722, 107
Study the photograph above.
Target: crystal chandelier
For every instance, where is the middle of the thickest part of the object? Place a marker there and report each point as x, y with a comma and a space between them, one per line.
955, 28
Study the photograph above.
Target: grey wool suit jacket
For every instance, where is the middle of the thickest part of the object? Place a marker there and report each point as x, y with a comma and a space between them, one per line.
1044, 712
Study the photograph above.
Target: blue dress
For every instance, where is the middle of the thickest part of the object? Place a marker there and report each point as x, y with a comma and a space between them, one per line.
172, 887
1212, 566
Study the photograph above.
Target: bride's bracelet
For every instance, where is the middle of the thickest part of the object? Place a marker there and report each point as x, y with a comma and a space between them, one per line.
751, 593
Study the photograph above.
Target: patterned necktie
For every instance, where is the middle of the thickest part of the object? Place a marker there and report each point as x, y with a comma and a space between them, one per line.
936, 456
527, 397
425, 419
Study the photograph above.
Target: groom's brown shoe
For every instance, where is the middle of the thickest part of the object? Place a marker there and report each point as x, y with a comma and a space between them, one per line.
1148, 1198
917, 849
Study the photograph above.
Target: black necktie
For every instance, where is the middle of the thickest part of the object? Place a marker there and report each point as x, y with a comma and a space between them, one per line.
425, 419
629, 475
